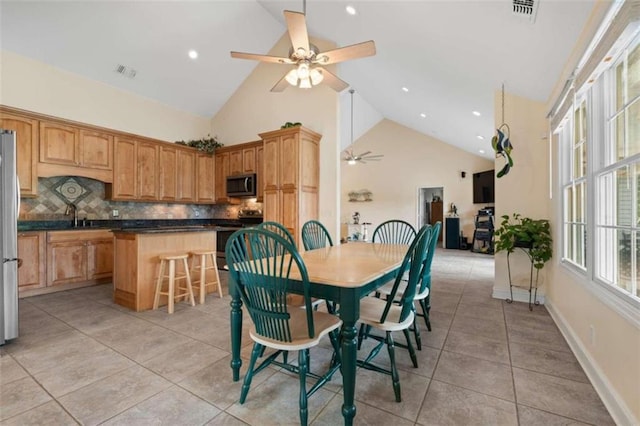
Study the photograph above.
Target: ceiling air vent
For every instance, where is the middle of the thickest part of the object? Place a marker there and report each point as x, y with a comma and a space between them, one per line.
526, 9
126, 71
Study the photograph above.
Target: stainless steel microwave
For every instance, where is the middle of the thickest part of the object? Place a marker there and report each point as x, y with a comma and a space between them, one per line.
241, 185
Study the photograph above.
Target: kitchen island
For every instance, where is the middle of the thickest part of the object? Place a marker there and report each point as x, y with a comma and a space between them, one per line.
136, 262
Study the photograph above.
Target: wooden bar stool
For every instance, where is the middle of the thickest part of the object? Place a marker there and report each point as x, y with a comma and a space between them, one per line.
171, 292
199, 265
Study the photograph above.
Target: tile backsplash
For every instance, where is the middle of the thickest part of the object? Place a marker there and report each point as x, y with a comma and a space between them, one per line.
55, 193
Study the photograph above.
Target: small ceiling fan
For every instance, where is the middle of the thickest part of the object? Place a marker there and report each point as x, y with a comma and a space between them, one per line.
352, 158
307, 58
349, 156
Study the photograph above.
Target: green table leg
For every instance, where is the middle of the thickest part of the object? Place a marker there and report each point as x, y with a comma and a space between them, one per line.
236, 333
349, 313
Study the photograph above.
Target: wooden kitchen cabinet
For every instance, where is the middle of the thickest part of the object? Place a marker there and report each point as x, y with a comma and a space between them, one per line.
186, 176
74, 151
27, 139
31, 252
79, 257
147, 170
59, 144
221, 173
168, 173
260, 173
125, 170
235, 162
249, 160
291, 177
205, 178
96, 149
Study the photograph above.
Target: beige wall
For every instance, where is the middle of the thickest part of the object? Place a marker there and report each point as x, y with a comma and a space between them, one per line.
35, 86
525, 189
254, 109
411, 161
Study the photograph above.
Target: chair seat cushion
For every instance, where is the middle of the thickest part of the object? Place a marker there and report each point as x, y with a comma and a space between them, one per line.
322, 322
371, 309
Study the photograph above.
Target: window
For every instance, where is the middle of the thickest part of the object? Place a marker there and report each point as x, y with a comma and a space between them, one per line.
600, 148
617, 229
575, 187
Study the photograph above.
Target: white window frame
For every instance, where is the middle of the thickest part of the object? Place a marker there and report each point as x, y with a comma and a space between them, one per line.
599, 105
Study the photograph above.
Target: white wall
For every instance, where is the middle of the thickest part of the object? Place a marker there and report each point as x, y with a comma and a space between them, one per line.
253, 109
38, 87
411, 161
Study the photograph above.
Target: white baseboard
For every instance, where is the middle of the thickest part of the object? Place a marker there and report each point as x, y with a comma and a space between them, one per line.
621, 414
519, 295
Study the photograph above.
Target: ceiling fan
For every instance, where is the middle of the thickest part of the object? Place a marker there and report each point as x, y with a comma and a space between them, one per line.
307, 58
349, 156
352, 158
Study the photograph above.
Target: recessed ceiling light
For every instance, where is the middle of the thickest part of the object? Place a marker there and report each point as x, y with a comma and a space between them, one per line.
193, 54
480, 137
350, 10
476, 113
481, 151
423, 115
404, 89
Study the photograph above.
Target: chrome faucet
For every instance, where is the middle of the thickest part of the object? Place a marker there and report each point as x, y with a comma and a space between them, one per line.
67, 212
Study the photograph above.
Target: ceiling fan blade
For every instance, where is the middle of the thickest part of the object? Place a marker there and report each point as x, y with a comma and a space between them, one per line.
333, 81
364, 153
371, 157
281, 85
360, 50
263, 58
297, 27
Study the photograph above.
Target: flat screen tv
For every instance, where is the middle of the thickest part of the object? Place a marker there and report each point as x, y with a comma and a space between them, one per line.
483, 187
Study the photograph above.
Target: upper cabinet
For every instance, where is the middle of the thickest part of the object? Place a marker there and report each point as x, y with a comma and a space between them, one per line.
205, 178
237, 160
168, 172
124, 171
291, 177
186, 176
147, 154
27, 131
70, 150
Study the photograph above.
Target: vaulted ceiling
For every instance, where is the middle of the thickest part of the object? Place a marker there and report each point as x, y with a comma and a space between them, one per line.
451, 55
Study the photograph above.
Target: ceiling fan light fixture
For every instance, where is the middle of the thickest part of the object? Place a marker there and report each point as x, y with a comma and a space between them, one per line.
305, 83
292, 77
351, 161
303, 70
316, 76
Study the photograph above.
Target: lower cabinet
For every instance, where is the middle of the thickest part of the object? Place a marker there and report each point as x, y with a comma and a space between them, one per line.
59, 260
31, 252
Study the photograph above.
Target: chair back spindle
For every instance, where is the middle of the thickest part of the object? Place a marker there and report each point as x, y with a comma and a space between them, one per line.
394, 232
315, 235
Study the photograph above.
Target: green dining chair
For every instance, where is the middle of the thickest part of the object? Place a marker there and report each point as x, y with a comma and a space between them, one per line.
315, 235
279, 229
423, 292
261, 264
390, 316
394, 232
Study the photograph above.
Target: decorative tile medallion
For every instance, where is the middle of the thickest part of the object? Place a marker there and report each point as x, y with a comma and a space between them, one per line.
70, 190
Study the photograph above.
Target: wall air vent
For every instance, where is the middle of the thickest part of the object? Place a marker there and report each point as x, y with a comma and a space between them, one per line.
125, 71
527, 9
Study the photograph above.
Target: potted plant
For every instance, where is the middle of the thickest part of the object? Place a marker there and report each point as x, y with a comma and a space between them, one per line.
208, 144
534, 235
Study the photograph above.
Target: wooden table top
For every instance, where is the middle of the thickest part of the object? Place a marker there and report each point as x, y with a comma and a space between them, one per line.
352, 264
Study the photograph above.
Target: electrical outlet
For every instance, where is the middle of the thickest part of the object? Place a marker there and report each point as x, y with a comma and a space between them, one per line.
115, 213
592, 335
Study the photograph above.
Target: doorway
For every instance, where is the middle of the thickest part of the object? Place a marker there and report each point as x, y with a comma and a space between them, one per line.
431, 207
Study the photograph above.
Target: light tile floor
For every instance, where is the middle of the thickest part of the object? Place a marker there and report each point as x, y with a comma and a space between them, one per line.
83, 360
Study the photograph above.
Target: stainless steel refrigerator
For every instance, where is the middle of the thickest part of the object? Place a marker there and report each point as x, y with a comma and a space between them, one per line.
9, 208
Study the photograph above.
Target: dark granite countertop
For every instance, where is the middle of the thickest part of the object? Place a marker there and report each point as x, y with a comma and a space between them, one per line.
125, 224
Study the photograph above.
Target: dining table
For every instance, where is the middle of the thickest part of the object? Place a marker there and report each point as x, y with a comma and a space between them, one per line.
343, 274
